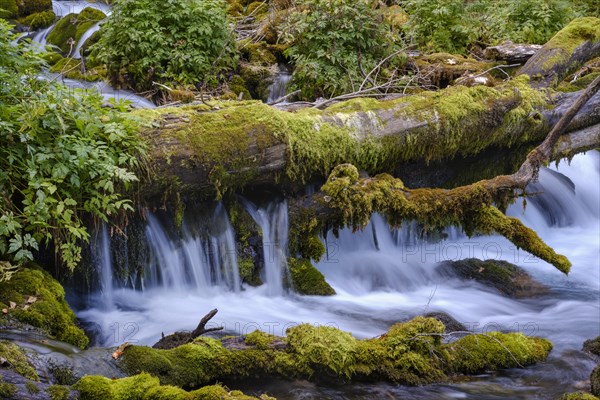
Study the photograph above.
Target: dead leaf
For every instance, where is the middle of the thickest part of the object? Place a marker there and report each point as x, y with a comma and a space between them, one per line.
31, 299
12, 305
5, 311
26, 307
451, 61
119, 352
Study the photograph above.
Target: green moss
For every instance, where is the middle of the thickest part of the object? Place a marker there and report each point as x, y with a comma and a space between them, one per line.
58, 392
578, 396
595, 381
146, 387
73, 26
306, 279
50, 311
579, 84
32, 388
260, 339
7, 390
71, 68
258, 54
52, 58
39, 20
479, 353
28, 7
469, 207
248, 271
238, 85
572, 36
8, 9
17, 359
184, 96
257, 9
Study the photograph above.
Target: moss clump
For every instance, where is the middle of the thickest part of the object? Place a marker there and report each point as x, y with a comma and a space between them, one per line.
71, 68
304, 235
578, 84
52, 58
49, 312
17, 359
184, 96
238, 86
260, 340
306, 279
39, 20
469, 207
479, 353
32, 388
73, 26
7, 390
592, 346
58, 392
578, 396
146, 387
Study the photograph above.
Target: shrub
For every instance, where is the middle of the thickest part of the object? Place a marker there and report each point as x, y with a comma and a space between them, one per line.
8, 9
334, 44
186, 42
27, 7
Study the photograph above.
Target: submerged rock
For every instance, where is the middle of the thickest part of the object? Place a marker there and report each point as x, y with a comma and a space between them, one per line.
450, 323
507, 278
595, 381
308, 280
592, 346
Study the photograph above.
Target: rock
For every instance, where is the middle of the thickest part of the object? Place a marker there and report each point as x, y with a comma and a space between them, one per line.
507, 278
592, 346
510, 52
578, 396
451, 324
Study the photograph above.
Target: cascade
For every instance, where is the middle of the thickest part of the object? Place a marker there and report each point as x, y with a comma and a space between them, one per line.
279, 86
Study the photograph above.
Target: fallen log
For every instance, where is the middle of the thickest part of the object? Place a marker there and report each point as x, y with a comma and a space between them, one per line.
511, 52
241, 144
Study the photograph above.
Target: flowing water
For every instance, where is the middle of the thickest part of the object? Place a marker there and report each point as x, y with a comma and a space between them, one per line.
381, 277
77, 52
278, 88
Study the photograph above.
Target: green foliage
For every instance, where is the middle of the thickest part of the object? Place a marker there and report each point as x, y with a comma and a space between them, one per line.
439, 25
8, 9
59, 392
27, 7
65, 157
186, 42
49, 311
335, 43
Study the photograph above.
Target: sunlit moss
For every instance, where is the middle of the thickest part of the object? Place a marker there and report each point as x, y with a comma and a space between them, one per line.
17, 360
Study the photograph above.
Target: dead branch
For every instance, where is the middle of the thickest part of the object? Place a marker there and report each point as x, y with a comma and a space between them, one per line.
179, 338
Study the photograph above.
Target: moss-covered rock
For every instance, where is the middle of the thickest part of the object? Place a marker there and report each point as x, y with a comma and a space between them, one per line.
306, 279
17, 360
411, 353
146, 387
39, 20
59, 392
40, 302
69, 29
52, 58
7, 390
507, 278
72, 68
238, 86
592, 346
595, 381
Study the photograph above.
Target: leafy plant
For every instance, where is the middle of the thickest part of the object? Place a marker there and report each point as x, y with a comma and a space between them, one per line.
63, 158
334, 44
182, 41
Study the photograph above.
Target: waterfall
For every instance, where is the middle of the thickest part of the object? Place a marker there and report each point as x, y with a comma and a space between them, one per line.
105, 270
279, 86
273, 222
42, 35
77, 52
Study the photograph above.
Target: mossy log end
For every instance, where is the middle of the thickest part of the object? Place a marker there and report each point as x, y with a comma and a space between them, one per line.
410, 353
238, 144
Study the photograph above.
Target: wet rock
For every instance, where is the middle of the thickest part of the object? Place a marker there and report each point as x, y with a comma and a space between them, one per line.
507, 278
15, 386
450, 323
592, 346
511, 52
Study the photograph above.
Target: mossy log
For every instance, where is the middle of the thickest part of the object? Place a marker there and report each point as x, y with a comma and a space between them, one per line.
410, 353
232, 145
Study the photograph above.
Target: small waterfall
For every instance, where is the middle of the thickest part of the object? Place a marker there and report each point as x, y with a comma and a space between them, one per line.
77, 52
273, 222
41, 36
279, 86
104, 268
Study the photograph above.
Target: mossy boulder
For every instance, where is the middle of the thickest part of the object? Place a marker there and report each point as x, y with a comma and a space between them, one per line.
507, 278
39, 20
40, 302
578, 396
69, 29
451, 324
410, 353
17, 360
308, 280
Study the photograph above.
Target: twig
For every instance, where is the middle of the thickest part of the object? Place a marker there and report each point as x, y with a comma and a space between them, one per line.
284, 98
488, 70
